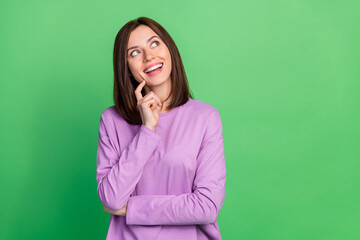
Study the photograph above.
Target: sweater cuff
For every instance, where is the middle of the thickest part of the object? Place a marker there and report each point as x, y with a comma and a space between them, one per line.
128, 216
150, 132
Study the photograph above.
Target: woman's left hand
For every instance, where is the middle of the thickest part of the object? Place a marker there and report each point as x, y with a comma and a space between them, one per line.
121, 212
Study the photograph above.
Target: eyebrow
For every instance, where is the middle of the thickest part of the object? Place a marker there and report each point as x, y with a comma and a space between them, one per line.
137, 46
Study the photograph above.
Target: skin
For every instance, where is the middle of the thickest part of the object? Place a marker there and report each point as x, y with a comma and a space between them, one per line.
157, 88
121, 212
147, 53
148, 106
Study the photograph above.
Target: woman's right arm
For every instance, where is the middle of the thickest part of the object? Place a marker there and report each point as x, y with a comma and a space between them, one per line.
117, 175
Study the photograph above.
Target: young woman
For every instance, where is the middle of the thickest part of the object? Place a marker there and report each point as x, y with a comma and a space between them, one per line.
160, 158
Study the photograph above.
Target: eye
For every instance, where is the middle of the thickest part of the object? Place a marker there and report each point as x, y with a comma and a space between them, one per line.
131, 54
155, 42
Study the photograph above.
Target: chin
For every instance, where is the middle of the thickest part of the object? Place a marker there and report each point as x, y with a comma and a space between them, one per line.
157, 82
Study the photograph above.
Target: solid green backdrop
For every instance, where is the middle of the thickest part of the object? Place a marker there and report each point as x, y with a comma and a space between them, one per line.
284, 76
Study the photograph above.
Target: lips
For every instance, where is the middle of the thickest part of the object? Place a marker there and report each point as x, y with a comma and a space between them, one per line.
151, 65
155, 72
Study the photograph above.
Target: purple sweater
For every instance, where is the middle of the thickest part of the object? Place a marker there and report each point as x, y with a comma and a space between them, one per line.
173, 179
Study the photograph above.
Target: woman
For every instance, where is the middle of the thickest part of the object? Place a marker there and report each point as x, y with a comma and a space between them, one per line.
160, 159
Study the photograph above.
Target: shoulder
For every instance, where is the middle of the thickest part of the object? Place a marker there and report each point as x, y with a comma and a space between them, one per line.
207, 119
109, 112
202, 108
110, 115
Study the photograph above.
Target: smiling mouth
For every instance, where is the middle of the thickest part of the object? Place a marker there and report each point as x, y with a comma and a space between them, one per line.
159, 65
154, 70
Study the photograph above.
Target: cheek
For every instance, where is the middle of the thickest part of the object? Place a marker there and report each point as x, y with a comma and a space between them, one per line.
132, 66
168, 58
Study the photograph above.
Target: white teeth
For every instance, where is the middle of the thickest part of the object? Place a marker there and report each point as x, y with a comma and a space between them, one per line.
153, 68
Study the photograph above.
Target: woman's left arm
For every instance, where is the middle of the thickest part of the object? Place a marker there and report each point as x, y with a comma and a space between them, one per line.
121, 212
204, 203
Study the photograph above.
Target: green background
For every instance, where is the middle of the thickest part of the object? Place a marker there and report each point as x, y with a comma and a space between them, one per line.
284, 76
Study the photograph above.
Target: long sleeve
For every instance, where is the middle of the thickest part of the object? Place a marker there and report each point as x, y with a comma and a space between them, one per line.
118, 172
204, 203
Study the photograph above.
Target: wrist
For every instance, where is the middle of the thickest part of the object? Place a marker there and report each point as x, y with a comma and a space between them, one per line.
152, 128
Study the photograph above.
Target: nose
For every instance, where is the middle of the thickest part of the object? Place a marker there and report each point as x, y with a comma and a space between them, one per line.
148, 55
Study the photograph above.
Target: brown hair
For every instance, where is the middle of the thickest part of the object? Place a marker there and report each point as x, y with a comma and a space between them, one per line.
125, 85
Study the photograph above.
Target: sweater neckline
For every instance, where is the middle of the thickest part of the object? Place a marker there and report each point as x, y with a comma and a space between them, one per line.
165, 114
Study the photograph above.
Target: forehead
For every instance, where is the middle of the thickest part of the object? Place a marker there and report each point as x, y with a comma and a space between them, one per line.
140, 34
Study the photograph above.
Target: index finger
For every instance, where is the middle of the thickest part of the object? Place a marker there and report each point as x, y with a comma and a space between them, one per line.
138, 90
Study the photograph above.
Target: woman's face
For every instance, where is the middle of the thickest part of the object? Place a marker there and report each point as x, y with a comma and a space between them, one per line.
146, 50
